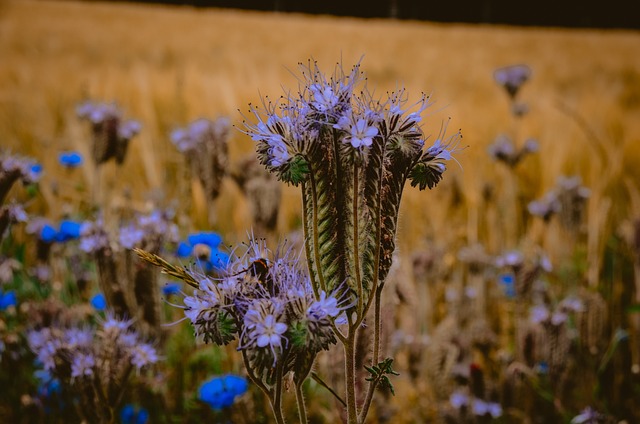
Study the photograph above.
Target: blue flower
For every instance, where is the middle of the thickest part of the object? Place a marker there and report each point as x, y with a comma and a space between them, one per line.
69, 230
70, 159
48, 233
171, 289
220, 392
210, 239
8, 299
204, 247
99, 302
131, 414
508, 285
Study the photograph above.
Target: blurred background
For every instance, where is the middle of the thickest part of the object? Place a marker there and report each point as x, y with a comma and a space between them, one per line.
476, 255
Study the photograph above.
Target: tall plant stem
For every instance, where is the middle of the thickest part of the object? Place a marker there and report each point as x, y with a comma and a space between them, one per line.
350, 376
375, 358
356, 256
302, 409
276, 401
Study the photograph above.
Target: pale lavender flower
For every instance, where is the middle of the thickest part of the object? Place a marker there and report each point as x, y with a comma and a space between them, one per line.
512, 77
545, 207
129, 129
458, 399
538, 314
144, 354
482, 408
512, 258
268, 333
558, 318
277, 150
324, 97
82, 365
78, 337
324, 307
587, 416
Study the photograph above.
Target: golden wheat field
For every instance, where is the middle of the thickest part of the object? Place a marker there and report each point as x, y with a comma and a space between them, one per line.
166, 66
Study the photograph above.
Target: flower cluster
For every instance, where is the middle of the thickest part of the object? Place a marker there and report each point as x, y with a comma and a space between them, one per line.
75, 353
14, 168
567, 199
221, 391
352, 154
149, 231
267, 302
111, 133
512, 78
204, 143
504, 150
89, 361
328, 109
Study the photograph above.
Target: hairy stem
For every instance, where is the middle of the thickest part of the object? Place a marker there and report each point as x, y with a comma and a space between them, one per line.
356, 257
375, 358
302, 409
350, 377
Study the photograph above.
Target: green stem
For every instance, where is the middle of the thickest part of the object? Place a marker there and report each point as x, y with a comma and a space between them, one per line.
302, 409
375, 358
276, 404
321, 382
356, 257
350, 377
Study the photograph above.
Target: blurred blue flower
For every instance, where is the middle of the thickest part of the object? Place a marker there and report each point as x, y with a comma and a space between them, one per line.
69, 230
70, 159
542, 367
508, 282
220, 392
8, 299
204, 247
171, 289
36, 170
210, 239
99, 302
131, 414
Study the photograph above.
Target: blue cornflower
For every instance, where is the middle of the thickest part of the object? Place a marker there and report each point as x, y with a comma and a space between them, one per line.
131, 414
8, 299
508, 285
99, 302
70, 159
204, 247
69, 230
171, 289
220, 392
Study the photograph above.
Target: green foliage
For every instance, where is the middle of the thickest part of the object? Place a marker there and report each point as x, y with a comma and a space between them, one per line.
379, 374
